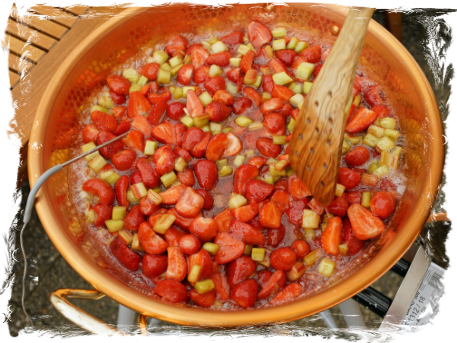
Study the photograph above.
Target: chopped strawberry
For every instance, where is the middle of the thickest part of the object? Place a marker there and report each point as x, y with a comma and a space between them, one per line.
372, 96
289, 292
301, 248
89, 133
245, 293
316, 206
125, 255
123, 127
147, 207
365, 224
151, 242
361, 120
357, 156
338, 207
189, 244
246, 233
203, 259
216, 146
182, 153
194, 105
275, 123
177, 265
155, 98
101, 188
234, 75
257, 161
234, 145
190, 204
199, 150
103, 213
281, 198
243, 175
332, 236
240, 105
267, 83
286, 110
349, 178
181, 220
229, 248
277, 66
119, 84
134, 140
204, 228
164, 133
150, 70
295, 211
240, 269
123, 160
206, 173
148, 174
118, 99
270, 216
246, 61
281, 92
120, 188
222, 59
164, 160
267, 148
236, 37
104, 121
172, 291
201, 74
141, 123
223, 220
185, 74
186, 177
286, 56
354, 244
276, 236
245, 213
257, 190
215, 84
221, 286
223, 97
156, 113
209, 201
134, 218
311, 54
217, 111
297, 188
154, 265
203, 300
137, 105
382, 204
108, 151
135, 177
259, 34
381, 110
274, 284
178, 42
198, 54
172, 195
252, 93
175, 110
192, 137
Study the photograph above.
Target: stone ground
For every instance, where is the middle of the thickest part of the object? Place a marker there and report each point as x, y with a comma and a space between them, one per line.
49, 271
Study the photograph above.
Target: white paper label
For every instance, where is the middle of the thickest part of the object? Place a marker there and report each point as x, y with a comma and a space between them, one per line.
432, 316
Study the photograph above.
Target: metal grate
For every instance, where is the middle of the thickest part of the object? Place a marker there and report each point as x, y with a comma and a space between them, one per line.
30, 36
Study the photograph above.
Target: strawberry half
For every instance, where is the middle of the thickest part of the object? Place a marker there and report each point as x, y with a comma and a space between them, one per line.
270, 216
234, 75
289, 292
141, 123
361, 120
245, 213
243, 175
297, 188
198, 54
151, 242
216, 146
365, 224
229, 248
164, 160
281, 92
246, 61
311, 54
215, 84
257, 190
254, 95
259, 34
276, 282
234, 145
104, 121
217, 111
194, 105
156, 113
108, 151
148, 175
240, 269
177, 265
164, 133
223, 220
185, 74
124, 255
178, 42
123, 160
245, 293
119, 84
332, 236
201, 74
246, 233
190, 204
354, 244
222, 59
172, 195
150, 70
236, 37
138, 104
134, 140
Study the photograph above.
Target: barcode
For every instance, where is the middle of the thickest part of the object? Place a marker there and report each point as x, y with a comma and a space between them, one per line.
435, 282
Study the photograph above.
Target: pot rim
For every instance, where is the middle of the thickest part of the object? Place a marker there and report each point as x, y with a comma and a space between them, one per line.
320, 301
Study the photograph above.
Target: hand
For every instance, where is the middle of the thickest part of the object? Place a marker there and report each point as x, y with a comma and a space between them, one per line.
357, 3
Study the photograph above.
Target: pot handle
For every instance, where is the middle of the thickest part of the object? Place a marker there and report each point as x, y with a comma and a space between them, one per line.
438, 217
78, 316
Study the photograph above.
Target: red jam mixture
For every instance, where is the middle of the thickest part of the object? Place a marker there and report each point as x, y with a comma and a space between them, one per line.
199, 197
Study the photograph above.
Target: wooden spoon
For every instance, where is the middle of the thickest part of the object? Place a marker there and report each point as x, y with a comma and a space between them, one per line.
317, 139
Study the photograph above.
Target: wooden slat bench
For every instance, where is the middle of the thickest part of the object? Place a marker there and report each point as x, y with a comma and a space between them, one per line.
38, 42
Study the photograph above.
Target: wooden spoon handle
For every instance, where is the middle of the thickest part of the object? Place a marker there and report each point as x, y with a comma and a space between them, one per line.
316, 142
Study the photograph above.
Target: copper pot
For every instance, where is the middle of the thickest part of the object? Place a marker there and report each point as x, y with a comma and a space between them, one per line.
383, 58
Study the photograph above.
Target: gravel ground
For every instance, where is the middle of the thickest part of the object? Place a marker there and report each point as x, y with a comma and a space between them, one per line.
49, 271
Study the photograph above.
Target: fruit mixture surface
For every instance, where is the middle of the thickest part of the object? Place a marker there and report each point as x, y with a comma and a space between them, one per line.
199, 201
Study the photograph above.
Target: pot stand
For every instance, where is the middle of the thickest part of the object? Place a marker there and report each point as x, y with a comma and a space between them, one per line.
420, 290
